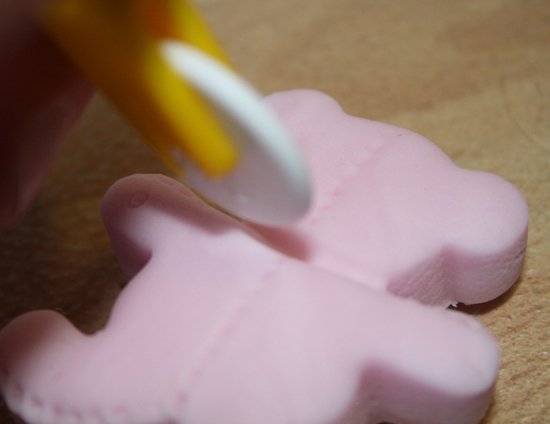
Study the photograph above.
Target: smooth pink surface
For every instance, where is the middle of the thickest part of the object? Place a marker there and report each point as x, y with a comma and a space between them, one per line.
391, 210
216, 326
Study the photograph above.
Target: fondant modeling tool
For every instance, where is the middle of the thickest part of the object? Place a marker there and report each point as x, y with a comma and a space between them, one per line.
157, 61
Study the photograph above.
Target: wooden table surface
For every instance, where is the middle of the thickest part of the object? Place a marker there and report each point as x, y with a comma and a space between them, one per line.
473, 76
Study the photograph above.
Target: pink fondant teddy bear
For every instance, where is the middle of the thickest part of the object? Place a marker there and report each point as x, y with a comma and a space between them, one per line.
217, 326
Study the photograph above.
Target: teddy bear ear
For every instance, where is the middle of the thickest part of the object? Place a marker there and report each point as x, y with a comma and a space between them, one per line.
118, 210
487, 236
489, 212
145, 212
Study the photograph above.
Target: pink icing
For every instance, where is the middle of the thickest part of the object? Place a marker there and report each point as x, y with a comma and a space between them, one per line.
216, 326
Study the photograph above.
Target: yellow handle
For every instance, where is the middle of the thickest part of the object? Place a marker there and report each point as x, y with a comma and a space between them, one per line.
114, 42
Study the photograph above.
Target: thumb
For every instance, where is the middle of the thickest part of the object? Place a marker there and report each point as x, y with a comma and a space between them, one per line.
41, 97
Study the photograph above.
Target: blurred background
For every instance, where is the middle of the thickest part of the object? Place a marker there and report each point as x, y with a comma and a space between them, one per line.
473, 76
